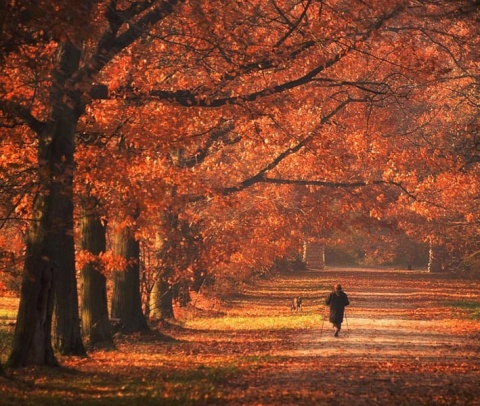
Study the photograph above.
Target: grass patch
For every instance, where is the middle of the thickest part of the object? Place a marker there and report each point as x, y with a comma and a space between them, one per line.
253, 360
8, 314
473, 308
201, 384
6, 339
249, 323
8, 308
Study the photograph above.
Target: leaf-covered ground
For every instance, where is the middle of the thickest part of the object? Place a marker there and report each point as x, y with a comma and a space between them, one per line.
409, 339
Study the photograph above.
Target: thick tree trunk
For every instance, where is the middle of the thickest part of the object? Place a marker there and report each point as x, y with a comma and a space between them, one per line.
126, 299
162, 300
94, 306
32, 342
66, 334
166, 300
50, 263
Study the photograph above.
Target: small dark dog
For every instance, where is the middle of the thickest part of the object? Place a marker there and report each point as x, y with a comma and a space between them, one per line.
297, 304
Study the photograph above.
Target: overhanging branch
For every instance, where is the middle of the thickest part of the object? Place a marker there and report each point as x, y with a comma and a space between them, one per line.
111, 45
13, 109
260, 176
190, 98
344, 185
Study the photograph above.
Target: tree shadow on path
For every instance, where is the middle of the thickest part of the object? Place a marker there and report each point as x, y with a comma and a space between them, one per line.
401, 343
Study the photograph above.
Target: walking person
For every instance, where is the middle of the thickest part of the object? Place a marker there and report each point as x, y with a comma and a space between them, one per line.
337, 300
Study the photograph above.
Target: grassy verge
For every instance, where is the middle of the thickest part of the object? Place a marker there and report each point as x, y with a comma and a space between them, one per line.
210, 364
8, 314
249, 323
473, 308
6, 338
8, 308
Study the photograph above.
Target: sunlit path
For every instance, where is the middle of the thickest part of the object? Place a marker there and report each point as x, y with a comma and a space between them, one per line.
403, 343
400, 343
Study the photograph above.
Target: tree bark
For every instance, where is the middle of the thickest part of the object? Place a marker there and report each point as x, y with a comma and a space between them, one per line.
436, 258
162, 299
126, 299
94, 306
314, 255
32, 342
67, 335
50, 262
166, 299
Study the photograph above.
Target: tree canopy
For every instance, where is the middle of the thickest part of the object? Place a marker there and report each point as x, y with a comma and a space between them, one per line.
223, 134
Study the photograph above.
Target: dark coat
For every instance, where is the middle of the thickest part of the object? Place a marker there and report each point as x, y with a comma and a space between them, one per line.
337, 300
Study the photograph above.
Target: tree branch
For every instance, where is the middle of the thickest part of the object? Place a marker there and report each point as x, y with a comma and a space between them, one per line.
217, 134
110, 45
260, 176
295, 25
345, 185
13, 109
189, 98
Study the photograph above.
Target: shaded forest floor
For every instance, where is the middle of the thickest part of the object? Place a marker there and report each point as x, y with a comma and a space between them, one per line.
409, 339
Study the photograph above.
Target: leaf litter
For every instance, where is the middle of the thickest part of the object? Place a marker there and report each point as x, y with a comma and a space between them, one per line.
401, 343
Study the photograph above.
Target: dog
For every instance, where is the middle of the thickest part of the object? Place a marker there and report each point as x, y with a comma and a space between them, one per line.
297, 304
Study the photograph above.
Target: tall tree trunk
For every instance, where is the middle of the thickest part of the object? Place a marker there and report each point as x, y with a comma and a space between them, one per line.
314, 255
322, 257
32, 342
50, 263
304, 250
166, 299
436, 258
162, 298
94, 306
67, 334
126, 299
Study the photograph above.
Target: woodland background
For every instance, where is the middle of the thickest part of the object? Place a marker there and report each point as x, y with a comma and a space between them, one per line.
152, 149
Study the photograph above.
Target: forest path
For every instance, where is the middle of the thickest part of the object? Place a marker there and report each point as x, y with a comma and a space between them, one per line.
405, 344
402, 343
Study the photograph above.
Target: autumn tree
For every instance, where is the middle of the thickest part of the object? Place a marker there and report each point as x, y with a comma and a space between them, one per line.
50, 239
329, 95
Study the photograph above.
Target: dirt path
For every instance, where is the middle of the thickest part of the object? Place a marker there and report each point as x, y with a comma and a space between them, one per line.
404, 345
401, 343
